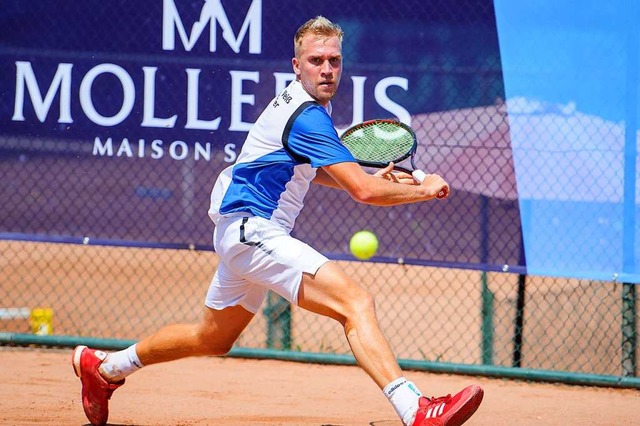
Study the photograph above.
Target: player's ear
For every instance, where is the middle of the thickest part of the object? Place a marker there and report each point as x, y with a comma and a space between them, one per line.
296, 66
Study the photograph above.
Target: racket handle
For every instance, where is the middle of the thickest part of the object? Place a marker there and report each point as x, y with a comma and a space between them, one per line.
420, 176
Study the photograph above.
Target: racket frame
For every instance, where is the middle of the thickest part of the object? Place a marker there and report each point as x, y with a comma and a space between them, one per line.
417, 174
381, 165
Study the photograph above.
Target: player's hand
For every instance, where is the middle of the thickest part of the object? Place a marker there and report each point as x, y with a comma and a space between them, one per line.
437, 186
395, 176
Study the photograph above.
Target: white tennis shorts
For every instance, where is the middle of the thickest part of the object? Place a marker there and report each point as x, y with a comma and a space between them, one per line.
257, 255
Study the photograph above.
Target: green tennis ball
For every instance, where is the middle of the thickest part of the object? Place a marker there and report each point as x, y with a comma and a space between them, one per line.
363, 244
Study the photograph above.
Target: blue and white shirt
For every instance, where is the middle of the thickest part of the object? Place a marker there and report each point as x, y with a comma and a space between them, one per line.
292, 137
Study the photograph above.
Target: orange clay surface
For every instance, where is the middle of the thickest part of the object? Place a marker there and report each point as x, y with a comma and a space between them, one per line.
38, 387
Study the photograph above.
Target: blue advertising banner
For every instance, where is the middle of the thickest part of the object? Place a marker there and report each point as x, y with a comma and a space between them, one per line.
118, 116
571, 73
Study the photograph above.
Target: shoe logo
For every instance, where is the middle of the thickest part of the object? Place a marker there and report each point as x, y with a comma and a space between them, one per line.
435, 411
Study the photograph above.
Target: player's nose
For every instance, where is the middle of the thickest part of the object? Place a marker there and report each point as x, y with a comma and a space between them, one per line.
326, 67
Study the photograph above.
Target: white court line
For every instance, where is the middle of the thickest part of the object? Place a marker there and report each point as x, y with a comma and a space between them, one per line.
14, 313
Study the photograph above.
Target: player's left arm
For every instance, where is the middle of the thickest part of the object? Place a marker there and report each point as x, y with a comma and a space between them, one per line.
325, 179
368, 189
395, 175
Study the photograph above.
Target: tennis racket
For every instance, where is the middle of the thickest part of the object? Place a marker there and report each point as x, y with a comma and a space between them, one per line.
376, 143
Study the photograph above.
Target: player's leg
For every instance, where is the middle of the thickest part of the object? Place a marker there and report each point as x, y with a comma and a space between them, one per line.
231, 304
101, 373
214, 335
305, 277
332, 293
269, 256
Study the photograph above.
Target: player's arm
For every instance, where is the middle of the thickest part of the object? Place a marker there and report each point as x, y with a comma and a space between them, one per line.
312, 137
323, 178
371, 189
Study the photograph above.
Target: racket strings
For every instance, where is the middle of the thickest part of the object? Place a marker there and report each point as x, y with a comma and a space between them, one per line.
379, 142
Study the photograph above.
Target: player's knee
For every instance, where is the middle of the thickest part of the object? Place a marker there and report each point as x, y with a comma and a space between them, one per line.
210, 343
362, 305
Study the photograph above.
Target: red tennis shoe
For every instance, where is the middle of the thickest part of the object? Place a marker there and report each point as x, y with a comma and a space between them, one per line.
449, 410
96, 391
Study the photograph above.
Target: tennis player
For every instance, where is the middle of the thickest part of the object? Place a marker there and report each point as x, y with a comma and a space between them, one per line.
254, 205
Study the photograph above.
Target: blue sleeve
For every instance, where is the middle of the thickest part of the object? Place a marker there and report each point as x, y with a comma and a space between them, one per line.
313, 139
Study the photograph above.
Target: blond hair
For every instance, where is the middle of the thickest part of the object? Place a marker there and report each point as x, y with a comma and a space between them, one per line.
318, 26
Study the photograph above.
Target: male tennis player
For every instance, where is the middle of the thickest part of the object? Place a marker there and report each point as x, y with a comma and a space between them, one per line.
254, 205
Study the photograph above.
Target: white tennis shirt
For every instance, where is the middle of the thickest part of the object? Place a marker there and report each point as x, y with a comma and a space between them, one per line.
292, 137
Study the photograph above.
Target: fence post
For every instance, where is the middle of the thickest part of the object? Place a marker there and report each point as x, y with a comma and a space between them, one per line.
519, 322
278, 313
487, 295
629, 330
487, 321
520, 303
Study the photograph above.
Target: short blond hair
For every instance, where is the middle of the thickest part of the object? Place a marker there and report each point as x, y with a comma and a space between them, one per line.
319, 26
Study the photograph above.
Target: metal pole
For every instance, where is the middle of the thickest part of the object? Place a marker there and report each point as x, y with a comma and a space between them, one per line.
518, 331
629, 330
487, 295
278, 313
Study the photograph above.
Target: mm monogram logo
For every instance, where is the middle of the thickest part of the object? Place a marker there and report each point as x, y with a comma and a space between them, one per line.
213, 15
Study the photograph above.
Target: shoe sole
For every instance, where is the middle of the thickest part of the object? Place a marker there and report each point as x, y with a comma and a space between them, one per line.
474, 402
75, 360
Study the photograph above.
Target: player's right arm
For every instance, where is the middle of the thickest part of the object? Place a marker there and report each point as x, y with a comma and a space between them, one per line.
323, 178
311, 137
370, 189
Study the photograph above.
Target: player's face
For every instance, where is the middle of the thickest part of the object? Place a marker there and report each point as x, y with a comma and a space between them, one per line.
318, 66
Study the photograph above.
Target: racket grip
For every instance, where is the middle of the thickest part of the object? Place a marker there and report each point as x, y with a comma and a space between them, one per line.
419, 175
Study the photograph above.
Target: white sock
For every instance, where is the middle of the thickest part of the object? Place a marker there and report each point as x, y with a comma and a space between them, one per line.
404, 396
119, 365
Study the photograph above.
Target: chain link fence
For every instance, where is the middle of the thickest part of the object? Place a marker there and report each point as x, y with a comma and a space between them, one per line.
111, 147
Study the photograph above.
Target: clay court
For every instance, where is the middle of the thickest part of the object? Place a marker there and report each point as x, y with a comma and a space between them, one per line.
39, 387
